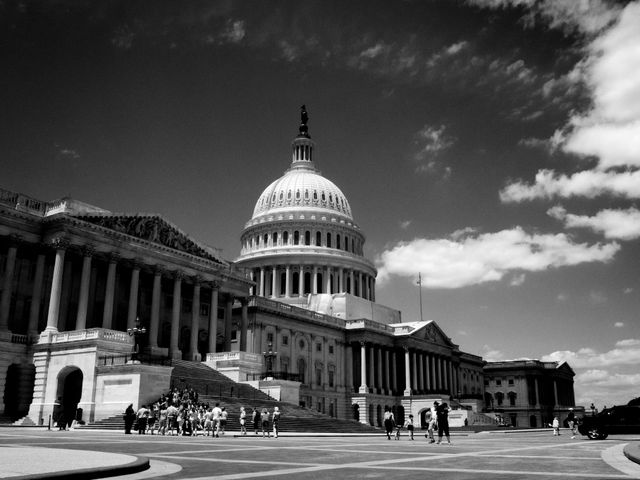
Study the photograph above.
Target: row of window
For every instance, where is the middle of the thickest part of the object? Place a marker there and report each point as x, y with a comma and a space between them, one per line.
498, 382
499, 398
346, 243
284, 340
336, 202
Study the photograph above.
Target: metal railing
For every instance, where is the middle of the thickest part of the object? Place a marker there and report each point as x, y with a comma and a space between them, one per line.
142, 358
292, 377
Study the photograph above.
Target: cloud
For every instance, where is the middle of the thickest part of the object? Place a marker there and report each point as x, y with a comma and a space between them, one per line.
491, 354
627, 290
614, 224
404, 224
517, 280
431, 141
234, 31
589, 184
609, 131
588, 16
626, 352
618, 324
470, 258
597, 298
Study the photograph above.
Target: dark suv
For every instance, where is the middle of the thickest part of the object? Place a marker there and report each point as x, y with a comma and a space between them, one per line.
618, 419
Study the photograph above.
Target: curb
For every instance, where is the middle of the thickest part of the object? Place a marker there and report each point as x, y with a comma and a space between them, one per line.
632, 452
138, 465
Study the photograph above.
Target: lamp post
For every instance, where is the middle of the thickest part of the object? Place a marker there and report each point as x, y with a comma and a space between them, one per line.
136, 332
269, 355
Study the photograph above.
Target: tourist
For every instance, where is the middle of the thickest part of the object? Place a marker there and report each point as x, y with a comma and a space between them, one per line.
172, 415
243, 421
571, 423
223, 420
162, 422
264, 416
256, 420
276, 421
433, 423
208, 422
153, 416
556, 426
129, 418
442, 414
389, 421
143, 415
409, 425
216, 413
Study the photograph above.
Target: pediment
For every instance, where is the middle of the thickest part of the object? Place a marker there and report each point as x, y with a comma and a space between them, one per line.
433, 333
155, 229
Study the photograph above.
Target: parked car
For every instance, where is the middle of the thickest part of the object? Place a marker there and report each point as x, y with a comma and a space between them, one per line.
618, 419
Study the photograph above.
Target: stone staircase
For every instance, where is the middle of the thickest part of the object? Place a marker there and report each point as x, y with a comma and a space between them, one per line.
213, 387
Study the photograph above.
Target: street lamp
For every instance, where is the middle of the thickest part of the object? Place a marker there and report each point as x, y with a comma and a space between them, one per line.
136, 332
269, 355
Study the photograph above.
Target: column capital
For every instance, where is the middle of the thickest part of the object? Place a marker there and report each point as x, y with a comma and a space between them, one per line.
244, 301
136, 263
197, 280
60, 243
159, 270
362, 343
88, 250
177, 274
215, 285
114, 257
15, 240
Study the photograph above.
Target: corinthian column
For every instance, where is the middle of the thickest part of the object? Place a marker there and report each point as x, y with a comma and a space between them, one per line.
407, 372
195, 321
133, 295
36, 296
107, 316
213, 317
154, 325
56, 286
174, 350
83, 300
7, 285
363, 369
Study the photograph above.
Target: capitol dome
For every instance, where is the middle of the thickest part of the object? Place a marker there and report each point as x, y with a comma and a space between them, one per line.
301, 239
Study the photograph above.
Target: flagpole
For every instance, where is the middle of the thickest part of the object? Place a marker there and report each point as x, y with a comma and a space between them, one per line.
420, 292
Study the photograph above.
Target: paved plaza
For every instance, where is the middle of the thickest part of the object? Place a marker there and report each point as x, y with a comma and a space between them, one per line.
530, 455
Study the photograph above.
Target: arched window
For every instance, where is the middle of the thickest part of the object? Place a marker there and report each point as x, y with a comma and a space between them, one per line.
338, 241
302, 370
318, 239
295, 286
274, 238
296, 238
346, 243
328, 240
499, 398
266, 239
512, 398
307, 282
285, 238
307, 237
283, 284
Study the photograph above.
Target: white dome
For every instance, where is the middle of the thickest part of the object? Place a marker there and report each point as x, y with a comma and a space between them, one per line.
302, 188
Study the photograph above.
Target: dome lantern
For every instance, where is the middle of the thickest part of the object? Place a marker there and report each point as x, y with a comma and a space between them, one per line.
302, 146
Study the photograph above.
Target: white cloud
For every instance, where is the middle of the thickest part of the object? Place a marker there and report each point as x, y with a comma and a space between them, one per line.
234, 31
517, 280
469, 258
491, 354
597, 298
404, 224
626, 352
614, 224
618, 324
588, 183
432, 140
627, 290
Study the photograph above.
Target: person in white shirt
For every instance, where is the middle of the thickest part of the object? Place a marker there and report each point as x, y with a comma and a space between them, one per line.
216, 414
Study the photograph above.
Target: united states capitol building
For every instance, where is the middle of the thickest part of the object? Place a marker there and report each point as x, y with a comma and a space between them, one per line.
295, 315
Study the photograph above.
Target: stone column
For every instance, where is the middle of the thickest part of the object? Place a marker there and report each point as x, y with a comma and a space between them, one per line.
301, 282
363, 369
85, 279
387, 371
537, 393
287, 286
380, 384
555, 393
328, 281
228, 312
261, 287
359, 292
107, 315
194, 355
340, 280
154, 325
427, 373
7, 285
132, 313
36, 296
314, 280
244, 322
349, 367
274, 283
174, 350
407, 372
351, 283
394, 372
372, 379
56, 286
213, 315
420, 364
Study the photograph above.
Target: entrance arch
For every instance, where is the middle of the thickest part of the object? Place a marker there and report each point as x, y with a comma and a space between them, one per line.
69, 393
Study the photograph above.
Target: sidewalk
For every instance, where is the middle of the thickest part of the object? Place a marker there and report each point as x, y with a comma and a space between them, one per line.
43, 463
632, 452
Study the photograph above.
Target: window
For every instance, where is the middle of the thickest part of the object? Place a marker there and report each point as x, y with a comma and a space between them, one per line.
269, 337
285, 238
331, 378
296, 237
204, 309
186, 305
331, 349
318, 347
498, 382
301, 344
328, 240
512, 398
285, 339
275, 238
307, 237
265, 239
499, 398
318, 239
511, 382
318, 376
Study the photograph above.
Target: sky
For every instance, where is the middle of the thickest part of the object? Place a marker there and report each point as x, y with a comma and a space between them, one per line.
491, 146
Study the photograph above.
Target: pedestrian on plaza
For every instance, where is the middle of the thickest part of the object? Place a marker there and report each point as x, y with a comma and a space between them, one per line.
409, 426
571, 423
223, 420
208, 422
243, 421
172, 418
264, 416
256, 420
389, 421
129, 418
276, 421
433, 423
153, 417
216, 413
58, 415
442, 414
143, 415
556, 426
162, 419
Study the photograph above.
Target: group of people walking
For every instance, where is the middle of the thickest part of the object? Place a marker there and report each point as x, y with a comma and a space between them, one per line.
438, 421
179, 413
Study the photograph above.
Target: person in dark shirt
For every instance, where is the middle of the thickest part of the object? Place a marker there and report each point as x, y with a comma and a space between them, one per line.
442, 412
